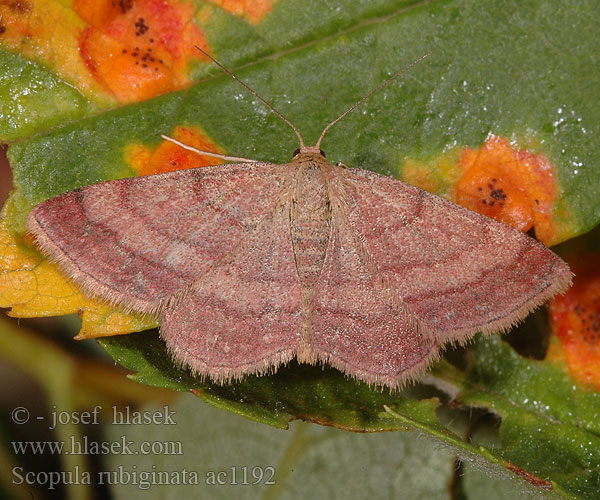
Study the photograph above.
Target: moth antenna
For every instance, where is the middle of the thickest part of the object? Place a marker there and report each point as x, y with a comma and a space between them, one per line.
268, 104
207, 153
363, 99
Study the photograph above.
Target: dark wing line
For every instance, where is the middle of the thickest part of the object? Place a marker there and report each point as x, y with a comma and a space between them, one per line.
203, 309
92, 286
385, 325
409, 225
506, 320
344, 190
178, 296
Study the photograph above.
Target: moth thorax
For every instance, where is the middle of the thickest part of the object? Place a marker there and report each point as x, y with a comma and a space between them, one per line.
310, 222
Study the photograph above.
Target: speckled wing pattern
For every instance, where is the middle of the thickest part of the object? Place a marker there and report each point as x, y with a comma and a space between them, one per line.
210, 251
457, 271
359, 325
138, 241
244, 315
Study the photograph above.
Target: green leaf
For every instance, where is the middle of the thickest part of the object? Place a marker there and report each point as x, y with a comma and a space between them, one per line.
33, 99
525, 70
307, 462
550, 444
313, 393
546, 51
478, 484
550, 426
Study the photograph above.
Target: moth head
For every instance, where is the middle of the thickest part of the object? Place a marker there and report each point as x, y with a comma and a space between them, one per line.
309, 150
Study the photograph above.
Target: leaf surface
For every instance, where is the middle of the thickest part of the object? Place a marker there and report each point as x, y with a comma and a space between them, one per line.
509, 93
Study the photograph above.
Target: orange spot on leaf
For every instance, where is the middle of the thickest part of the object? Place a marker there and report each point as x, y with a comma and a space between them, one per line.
575, 320
513, 186
137, 50
253, 10
168, 157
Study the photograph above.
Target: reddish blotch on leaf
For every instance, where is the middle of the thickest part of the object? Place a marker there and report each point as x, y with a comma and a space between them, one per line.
575, 320
168, 157
510, 185
137, 50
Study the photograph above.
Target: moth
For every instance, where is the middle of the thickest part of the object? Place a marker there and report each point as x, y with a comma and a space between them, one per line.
251, 264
